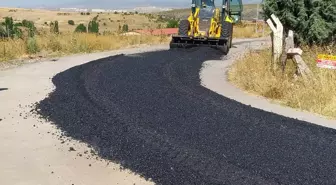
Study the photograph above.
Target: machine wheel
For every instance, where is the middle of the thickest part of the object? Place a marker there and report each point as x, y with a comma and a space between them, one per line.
231, 35
224, 48
172, 45
227, 31
184, 27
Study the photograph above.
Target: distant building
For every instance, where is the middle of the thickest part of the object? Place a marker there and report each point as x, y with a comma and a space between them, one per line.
74, 9
98, 10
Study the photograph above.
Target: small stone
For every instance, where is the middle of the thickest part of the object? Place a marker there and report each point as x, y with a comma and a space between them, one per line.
71, 149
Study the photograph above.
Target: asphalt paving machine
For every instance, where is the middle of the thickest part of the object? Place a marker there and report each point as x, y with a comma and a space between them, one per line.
208, 25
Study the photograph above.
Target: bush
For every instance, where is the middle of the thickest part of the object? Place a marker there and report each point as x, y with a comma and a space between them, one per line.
81, 28
125, 28
314, 22
54, 27
93, 25
31, 27
32, 46
172, 23
87, 13
9, 29
71, 22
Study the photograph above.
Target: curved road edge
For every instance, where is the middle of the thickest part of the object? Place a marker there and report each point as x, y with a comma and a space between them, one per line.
213, 76
34, 151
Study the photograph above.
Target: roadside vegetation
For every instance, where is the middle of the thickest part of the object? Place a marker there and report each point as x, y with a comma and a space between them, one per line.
26, 33
315, 34
20, 39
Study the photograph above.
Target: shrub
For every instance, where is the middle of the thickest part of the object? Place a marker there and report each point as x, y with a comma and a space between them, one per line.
32, 46
71, 22
81, 28
87, 13
172, 23
31, 27
93, 25
314, 22
125, 28
9, 29
54, 27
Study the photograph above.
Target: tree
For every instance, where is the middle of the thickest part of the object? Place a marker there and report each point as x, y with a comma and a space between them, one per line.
81, 28
8, 28
314, 22
125, 28
93, 25
71, 22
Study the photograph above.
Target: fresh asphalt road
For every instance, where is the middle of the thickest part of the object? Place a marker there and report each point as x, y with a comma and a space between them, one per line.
149, 112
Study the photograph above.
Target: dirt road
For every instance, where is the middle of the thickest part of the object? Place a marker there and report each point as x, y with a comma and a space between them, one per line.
150, 113
32, 151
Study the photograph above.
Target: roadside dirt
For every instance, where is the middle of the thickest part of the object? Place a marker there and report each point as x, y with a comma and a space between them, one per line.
36, 152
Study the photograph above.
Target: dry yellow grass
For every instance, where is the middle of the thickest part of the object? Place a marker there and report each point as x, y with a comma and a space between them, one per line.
107, 21
69, 43
318, 95
248, 30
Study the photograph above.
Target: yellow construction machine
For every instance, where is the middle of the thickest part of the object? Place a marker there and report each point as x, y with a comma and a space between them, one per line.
208, 26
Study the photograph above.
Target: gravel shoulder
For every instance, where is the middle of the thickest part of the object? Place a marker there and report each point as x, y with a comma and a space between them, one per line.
35, 152
214, 77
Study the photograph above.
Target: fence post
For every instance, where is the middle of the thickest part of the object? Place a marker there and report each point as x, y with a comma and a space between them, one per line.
277, 30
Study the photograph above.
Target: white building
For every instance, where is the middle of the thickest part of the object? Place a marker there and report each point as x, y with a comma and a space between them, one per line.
74, 9
98, 10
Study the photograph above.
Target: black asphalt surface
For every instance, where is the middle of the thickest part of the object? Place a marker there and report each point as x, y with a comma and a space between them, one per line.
149, 113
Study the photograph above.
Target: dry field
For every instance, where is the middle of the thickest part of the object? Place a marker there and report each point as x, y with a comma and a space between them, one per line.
107, 21
67, 42
64, 44
252, 73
